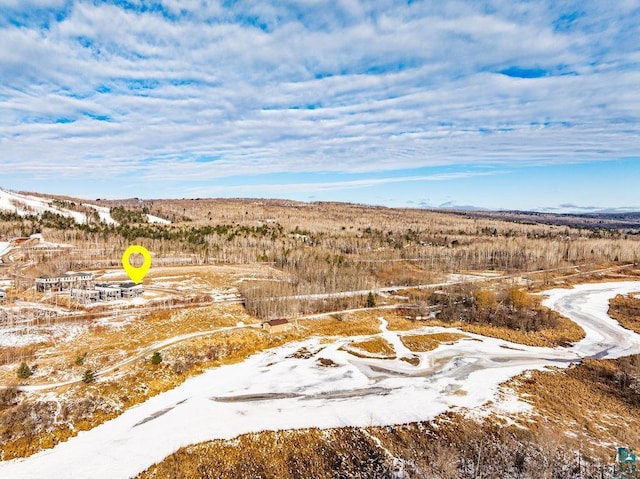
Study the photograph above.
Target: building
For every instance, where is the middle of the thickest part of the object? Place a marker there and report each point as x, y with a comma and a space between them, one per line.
85, 296
277, 326
46, 283
108, 291
68, 280
131, 289
64, 282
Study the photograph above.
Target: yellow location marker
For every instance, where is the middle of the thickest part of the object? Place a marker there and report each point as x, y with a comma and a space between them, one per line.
136, 274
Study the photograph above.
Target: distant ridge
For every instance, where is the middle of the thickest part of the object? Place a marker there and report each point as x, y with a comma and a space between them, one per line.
629, 221
24, 204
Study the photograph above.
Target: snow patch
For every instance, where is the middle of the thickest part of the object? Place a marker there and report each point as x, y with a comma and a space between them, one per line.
155, 219
24, 205
103, 212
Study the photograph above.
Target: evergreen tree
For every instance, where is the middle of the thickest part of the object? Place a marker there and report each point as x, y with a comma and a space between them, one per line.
156, 358
24, 371
371, 300
89, 376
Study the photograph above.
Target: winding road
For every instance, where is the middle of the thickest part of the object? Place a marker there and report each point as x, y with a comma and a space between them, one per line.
279, 389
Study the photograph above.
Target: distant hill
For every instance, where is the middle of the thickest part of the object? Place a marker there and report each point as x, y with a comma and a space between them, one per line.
81, 211
601, 220
200, 209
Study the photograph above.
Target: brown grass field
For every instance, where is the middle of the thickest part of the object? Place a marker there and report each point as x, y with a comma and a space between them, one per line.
420, 343
375, 347
626, 310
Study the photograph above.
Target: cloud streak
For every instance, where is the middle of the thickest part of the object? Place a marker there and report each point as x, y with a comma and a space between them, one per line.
171, 90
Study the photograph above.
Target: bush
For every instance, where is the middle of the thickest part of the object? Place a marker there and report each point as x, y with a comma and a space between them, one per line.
486, 300
519, 298
24, 371
80, 359
156, 358
8, 396
89, 376
371, 300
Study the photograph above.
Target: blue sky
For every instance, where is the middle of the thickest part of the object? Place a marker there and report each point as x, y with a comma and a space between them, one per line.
497, 104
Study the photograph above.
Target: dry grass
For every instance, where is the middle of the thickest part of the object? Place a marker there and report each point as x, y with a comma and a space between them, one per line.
420, 343
351, 324
375, 347
397, 322
626, 310
138, 382
598, 400
268, 455
15, 354
564, 333
110, 341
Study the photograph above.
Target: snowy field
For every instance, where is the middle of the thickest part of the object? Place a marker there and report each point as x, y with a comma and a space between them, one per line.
277, 390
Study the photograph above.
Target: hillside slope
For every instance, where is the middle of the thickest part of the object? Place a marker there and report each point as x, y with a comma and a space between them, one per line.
80, 211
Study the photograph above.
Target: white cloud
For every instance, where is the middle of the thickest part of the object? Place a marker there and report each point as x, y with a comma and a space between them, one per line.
301, 87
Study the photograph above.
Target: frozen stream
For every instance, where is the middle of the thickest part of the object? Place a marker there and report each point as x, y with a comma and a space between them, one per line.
273, 390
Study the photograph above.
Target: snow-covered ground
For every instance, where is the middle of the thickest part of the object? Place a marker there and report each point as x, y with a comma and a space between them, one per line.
590, 303
30, 205
275, 390
103, 212
33, 205
5, 247
155, 219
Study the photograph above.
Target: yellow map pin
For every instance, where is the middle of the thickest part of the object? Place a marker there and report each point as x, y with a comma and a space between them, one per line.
136, 274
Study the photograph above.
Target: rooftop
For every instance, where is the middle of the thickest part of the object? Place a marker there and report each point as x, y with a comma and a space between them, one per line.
277, 322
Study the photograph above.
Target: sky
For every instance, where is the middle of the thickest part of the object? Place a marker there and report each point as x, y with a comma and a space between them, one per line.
499, 104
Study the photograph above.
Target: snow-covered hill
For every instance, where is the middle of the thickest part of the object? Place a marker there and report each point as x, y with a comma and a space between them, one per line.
24, 205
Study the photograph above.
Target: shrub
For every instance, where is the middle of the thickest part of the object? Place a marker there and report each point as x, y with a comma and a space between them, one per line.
156, 358
89, 376
519, 298
371, 300
24, 371
485, 299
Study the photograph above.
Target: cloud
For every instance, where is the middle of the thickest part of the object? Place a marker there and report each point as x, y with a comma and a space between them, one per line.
153, 88
274, 188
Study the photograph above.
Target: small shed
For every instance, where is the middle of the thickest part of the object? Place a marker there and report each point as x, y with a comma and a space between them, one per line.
277, 326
